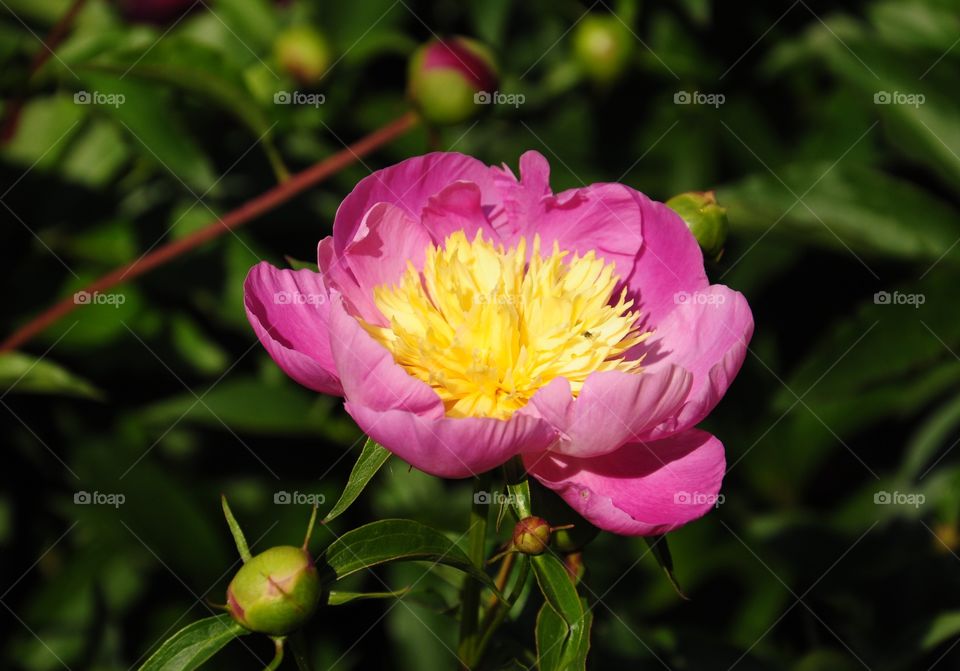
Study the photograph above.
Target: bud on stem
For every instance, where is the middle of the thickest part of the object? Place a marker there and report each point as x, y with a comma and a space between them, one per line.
276, 591
705, 219
450, 79
531, 535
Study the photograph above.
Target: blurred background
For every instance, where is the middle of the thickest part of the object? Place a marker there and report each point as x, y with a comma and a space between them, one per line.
830, 131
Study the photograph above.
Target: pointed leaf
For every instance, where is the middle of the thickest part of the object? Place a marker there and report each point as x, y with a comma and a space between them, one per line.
340, 598
556, 649
24, 373
371, 459
661, 552
559, 590
396, 540
194, 644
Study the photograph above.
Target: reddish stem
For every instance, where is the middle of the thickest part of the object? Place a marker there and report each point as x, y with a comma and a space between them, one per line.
232, 220
60, 30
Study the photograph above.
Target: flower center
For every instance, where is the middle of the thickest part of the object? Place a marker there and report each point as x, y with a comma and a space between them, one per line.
487, 327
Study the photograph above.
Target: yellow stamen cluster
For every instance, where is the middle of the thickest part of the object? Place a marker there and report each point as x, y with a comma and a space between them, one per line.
487, 327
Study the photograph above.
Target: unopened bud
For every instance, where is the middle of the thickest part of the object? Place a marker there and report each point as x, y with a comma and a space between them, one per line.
451, 79
705, 219
275, 592
531, 535
602, 45
303, 53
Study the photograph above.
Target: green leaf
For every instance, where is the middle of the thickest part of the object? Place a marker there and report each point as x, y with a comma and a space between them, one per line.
551, 636
857, 208
396, 540
340, 598
145, 114
559, 590
661, 552
198, 70
556, 649
27, 374
194, 644
944, 626
929, 438
371, 459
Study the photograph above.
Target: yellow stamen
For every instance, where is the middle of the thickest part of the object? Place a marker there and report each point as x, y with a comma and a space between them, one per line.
487, 327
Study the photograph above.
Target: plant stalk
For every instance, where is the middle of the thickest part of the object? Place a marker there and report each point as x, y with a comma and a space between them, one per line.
250, 210
470, 592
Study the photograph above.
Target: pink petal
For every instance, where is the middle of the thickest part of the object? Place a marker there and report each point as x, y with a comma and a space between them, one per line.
408, 185
384, 243
290, 313
605, 218
670, 260
407, 417
370, 376
707, 334
613, 408
641, 489
452, 447
457, 208
522, 199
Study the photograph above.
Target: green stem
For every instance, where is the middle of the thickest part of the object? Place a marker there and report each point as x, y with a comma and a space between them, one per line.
518, 486
499, 611
277, 655
470, 592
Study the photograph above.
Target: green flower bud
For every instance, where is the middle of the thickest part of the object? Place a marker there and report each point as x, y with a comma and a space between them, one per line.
705, 219
451, 80
275, 592
531, 535
602, 45
303, 53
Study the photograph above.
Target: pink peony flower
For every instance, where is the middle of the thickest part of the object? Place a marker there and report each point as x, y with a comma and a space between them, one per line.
466, 316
